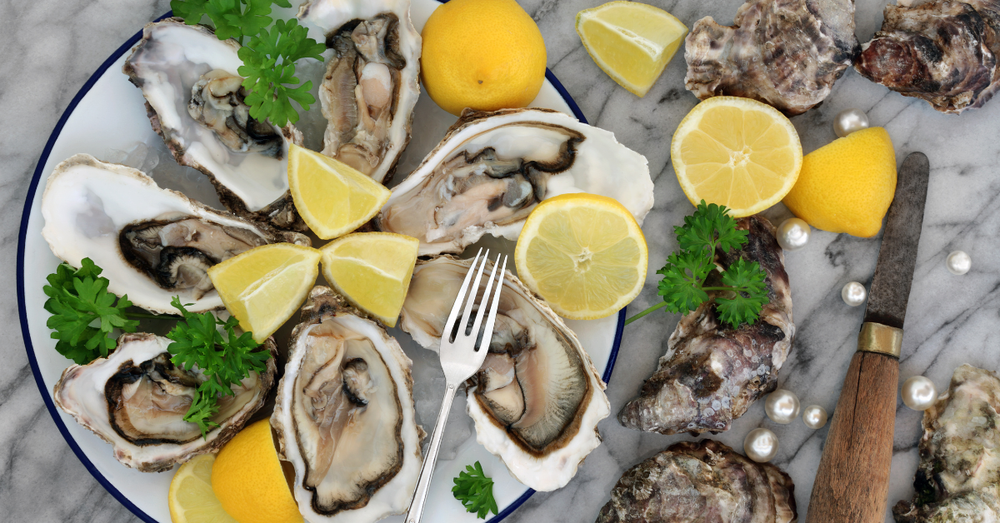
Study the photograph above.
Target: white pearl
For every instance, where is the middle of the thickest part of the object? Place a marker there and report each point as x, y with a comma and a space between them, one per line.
761, 445
782, 406
848, 121
919, 393
793, 234
958, 262
854, 293
814, 416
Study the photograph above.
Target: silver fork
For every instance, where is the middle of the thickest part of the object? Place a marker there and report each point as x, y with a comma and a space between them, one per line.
460, 359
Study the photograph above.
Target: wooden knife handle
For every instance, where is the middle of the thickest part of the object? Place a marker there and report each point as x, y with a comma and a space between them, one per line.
852, 483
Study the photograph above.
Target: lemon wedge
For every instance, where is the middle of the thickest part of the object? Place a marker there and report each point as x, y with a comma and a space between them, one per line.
191, 498
584, 254
736, 152
372, 270
331, 197
264, 286
631, 42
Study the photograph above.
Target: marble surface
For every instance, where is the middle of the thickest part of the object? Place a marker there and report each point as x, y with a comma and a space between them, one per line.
50, 48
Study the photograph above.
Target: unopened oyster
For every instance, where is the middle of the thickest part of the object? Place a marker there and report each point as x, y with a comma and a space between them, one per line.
703, 481
492, 169
136, 399
344, 415
958, 478
537, 399
372, 81
152, 243
195, 102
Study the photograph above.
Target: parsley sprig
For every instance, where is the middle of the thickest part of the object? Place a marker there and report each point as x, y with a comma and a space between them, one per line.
742, 291
269, 56
475, 490
225, 360
84, 313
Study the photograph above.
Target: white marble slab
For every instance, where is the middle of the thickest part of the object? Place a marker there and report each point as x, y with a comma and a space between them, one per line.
48, 49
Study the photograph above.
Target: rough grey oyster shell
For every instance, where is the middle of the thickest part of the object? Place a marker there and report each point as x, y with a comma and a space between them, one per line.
704, 481
958, 478
711, 373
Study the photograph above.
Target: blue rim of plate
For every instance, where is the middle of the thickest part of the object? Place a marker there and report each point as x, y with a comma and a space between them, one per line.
26, 335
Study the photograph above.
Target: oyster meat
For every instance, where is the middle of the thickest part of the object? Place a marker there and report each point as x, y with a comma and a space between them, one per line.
787, 53
372, 81
703, 481
711, 372
944, 52
195, 102
537, 399
958, 478
136, 399
492, 169
152, 243
344, 415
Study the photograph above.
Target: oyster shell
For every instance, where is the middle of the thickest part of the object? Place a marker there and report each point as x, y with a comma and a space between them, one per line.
135, 399
958, 478
689, 481
152, 243
712, 373
372, 81
537, 399
194, 101
344, 415
492, 169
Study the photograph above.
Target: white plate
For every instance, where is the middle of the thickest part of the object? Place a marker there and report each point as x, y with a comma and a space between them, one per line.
108, 115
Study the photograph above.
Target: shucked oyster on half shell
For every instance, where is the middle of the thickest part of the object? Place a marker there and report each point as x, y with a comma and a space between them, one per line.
152, 243
345, 417
537, 399
136, 399
492, 169
194, 100
372, 82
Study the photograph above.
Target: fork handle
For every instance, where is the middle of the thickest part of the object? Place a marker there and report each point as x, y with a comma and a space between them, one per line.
430, 459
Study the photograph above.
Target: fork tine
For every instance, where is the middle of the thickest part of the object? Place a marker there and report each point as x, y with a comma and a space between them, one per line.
484, 305
450, 324
473, 293
492, 315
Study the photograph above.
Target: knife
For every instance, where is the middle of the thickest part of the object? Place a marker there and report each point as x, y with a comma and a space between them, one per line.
852, 483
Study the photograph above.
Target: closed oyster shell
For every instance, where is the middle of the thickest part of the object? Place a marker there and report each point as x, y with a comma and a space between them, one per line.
493, 168
703, 481
958, 478
152, 243
537, 399
344, 415
135, 399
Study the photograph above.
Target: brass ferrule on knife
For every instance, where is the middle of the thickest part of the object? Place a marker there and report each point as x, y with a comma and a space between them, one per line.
883, 339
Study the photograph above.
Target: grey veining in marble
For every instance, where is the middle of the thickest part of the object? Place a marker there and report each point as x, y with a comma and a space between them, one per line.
48, 49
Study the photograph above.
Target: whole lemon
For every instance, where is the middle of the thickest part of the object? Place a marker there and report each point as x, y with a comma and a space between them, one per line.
848, 184
248, 480
483, 54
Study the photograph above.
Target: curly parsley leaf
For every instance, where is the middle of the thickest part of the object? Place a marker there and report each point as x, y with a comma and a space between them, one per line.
84, 313
748, 296
225, 360
475, 490
231, 18
269, 71
743, 292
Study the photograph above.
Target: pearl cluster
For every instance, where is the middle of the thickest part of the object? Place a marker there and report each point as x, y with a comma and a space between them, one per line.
782, 406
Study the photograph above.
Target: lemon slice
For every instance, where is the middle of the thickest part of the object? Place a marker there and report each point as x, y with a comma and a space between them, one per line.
372, 270
736, 152
332, 197
264, 286
584, 254
191, 498
631, 42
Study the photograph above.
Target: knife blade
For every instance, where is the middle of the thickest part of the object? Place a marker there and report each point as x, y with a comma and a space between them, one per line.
852, 482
